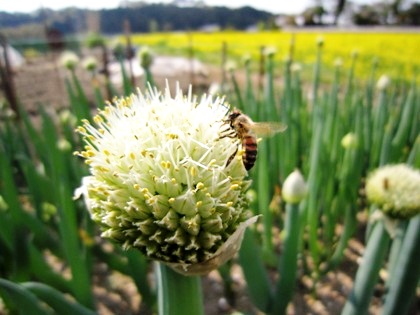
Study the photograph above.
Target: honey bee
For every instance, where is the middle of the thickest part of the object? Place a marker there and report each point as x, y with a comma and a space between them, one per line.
247, 130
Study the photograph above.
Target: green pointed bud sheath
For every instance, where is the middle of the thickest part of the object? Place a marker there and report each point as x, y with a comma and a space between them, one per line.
163, 179
395, 189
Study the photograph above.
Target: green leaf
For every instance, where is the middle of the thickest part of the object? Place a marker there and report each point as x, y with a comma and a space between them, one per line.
18, 298
254, 272
56, 300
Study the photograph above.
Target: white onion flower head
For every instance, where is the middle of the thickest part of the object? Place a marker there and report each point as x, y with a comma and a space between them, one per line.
270, 51
395, 189
90, 63
69, 60
163, 181
296, 67
383, 82
231, 66
338, 62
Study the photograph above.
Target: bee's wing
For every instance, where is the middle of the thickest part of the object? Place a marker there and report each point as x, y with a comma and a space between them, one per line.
266, 129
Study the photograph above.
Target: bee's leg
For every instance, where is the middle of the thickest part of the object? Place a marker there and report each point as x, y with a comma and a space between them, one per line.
229, 132
231, 157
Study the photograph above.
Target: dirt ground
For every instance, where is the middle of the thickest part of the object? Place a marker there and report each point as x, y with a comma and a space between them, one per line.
41, 81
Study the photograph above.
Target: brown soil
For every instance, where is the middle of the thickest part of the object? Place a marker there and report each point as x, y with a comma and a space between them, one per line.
42, 82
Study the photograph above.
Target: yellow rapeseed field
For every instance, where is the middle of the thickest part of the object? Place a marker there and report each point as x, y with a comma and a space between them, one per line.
396, 54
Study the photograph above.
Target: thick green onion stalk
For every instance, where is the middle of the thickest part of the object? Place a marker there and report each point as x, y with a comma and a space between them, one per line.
167, 178
294, 191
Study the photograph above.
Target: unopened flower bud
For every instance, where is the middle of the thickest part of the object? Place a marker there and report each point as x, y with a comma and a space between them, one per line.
246, 59
320, 41
3, 204
64, 145
146, 57
296, 67
349, 141
294, 188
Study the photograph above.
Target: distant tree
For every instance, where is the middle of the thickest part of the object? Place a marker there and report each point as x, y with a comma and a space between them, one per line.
314, 15
338, 10
395, 7
177, 18
367, 15
142, 17
411, 16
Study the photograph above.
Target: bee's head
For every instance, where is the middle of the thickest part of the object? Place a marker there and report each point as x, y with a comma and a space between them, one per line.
234, 114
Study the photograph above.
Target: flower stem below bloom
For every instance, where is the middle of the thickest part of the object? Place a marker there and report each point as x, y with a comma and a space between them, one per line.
178, 294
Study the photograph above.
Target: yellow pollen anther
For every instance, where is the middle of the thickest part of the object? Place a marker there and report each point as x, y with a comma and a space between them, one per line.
106, 152
171, 200
212, 162
102, 169
136, 186
234, 187
173, 181
200, 185
229, 204
81, 129
145, 191
132, 155
193, 171
98, 119
199, 203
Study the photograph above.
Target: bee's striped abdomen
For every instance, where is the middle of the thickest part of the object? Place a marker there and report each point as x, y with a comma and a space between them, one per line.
249, 144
